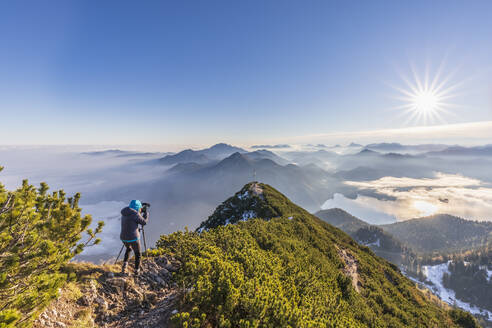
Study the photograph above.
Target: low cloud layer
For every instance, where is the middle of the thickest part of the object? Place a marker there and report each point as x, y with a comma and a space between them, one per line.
360, 207
75, 171
109, 212
280, 146
440, 180
445, 193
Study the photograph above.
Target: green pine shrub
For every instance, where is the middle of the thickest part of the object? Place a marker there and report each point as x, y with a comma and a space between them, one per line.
39, 233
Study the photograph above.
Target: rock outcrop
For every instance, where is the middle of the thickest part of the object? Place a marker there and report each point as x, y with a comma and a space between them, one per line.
103, 297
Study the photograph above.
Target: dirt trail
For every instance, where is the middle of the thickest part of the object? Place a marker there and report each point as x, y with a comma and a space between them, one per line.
351, 268
109, 299
256, 189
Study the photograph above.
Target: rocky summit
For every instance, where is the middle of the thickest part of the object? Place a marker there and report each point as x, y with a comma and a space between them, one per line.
250, 202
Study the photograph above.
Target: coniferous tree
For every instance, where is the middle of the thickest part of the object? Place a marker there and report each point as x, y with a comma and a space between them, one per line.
39, 233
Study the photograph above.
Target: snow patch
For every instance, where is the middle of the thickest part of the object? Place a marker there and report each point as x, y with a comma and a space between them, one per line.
434, 274
489, 272
243, 195
376, 243
249, 215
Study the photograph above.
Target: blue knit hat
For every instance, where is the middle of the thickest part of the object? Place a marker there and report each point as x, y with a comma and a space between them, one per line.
136, 205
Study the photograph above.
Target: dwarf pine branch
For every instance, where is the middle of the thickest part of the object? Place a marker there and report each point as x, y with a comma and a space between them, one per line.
39, 233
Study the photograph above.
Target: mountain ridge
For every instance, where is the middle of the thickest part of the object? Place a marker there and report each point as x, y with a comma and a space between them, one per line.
441, 232
262, 263
479, 151
216, 152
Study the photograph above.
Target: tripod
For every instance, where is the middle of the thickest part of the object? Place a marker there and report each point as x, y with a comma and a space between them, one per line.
121, 250
144, 240
145, 246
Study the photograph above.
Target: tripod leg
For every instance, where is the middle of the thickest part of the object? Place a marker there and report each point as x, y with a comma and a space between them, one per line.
144, 253
145, 242
145, 245
121, 250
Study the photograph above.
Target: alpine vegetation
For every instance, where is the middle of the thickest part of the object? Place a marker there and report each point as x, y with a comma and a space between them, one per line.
40, 232
287, 268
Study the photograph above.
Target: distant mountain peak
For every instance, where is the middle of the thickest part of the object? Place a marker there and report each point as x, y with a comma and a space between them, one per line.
222, 145
214, 153
237, 155
220, 151
261, 151
236, 158
367, 151
185, 156
457, 150
266, 154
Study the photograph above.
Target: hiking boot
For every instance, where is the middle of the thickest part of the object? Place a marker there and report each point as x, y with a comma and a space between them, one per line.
123, 267
137, 272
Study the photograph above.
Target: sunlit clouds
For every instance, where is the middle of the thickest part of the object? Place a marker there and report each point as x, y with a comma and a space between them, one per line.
440, 180
445, 193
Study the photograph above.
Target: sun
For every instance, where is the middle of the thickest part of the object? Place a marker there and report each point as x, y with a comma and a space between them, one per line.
425, 98
426, 101
425, 208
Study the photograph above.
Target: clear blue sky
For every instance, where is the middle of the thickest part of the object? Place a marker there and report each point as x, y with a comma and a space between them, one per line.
196, 72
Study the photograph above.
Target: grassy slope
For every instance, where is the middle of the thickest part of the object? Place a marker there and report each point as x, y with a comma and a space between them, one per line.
287, 273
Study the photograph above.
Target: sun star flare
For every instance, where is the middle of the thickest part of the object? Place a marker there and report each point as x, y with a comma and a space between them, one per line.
425, 100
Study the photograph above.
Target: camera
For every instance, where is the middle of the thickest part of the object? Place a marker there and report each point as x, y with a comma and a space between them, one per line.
145, 207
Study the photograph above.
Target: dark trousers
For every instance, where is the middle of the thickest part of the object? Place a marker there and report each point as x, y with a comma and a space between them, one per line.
135, 246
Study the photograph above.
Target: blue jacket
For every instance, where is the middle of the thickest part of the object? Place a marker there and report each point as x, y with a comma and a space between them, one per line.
130, 219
